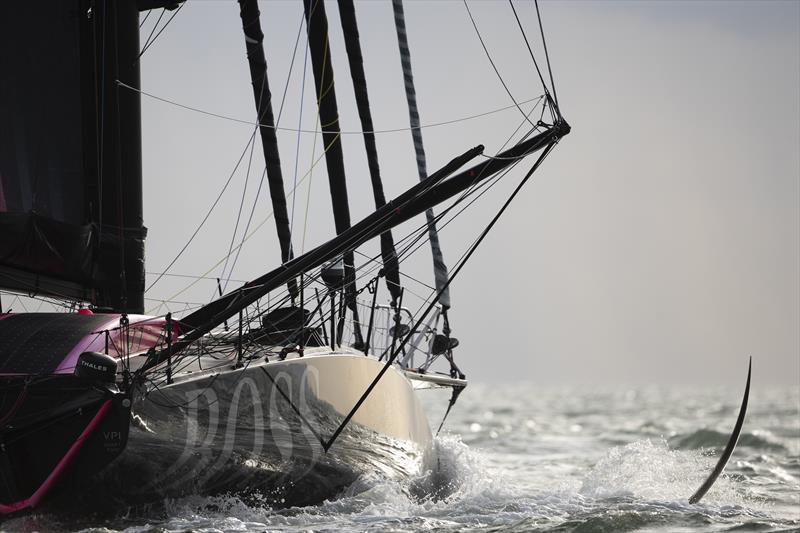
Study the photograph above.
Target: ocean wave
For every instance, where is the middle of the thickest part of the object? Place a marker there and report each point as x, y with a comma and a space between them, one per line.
709, 438
533, 477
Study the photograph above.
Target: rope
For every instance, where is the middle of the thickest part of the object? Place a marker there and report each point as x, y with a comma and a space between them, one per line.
208, 214
299, 124
439, 266
315, 131
528, 44
258, 227
150, 42
239, 215
546, 55
147, 16
489, 57
153, 30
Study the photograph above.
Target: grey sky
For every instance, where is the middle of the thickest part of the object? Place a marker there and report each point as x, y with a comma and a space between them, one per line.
660, 243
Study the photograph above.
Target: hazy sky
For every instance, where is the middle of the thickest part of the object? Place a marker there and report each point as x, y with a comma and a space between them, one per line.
660, 243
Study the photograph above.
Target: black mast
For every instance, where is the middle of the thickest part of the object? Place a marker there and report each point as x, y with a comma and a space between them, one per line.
317, 24
120, 173
254, 39
350, 28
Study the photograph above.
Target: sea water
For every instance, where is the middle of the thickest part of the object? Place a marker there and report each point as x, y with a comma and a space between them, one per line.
523, 458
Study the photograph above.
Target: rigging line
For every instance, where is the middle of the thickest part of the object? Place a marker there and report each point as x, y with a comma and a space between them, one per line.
239, 216
173, 301
258, 227
152, 31
470, 190
264, 173
164, 27
528, 44
417, 235
421, 230
310, 170
375, 259
244, 233
347, 132
145, 18
190, 276
208, 214
504, 158
530, 172
297, 145
455, 272
546, 55
489, 57
419, 240
415, 244
486, 185
375, 264
244, 191
291, 69
308, 192
294, 408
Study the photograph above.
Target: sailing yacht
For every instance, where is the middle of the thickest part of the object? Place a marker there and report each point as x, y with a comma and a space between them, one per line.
292, 384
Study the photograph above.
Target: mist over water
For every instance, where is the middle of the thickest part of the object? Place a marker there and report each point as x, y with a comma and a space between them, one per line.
514, 458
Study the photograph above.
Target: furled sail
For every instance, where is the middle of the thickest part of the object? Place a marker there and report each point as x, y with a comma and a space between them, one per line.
319, 47
439, 266
70, 152
254, 40
352, 43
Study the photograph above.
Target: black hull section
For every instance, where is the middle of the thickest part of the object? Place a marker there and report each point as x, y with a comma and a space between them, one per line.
255, 430
56, 432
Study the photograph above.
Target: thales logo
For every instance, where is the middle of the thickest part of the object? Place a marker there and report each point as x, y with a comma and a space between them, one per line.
93, 366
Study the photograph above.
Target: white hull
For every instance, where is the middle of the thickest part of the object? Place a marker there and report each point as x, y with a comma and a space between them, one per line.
260, 427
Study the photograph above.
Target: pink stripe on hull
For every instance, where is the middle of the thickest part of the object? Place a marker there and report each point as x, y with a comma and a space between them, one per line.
48, 483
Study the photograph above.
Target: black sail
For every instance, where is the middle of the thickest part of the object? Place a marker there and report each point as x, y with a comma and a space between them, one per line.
70, 152
352, 43
317, 23
254, 41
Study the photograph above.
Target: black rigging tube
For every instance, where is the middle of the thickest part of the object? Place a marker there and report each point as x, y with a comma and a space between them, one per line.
319, 47
430, 192
347, 13
728, 451
254, 41
457, 390
119, 211
439, 267
435, 300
